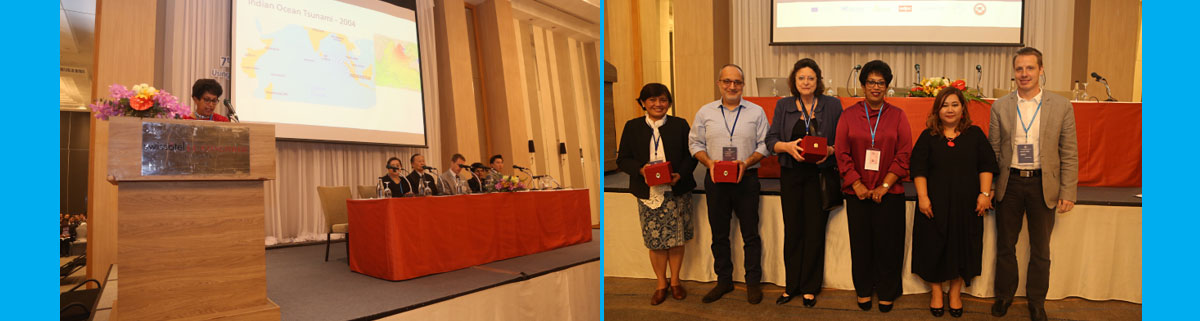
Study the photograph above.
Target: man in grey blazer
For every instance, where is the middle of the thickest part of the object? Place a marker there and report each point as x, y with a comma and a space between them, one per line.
1033, 134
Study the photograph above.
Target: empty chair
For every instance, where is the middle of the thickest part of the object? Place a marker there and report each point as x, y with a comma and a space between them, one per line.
366, 191
333, 205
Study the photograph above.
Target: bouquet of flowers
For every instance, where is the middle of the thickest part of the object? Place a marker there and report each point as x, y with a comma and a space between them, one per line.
930, 87
142, 101
509, 184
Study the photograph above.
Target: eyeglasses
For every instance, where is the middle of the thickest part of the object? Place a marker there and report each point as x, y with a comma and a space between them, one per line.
729, 82
210, 101
876, 83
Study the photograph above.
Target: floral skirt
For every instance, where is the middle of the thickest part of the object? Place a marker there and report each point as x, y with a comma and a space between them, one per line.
670, 224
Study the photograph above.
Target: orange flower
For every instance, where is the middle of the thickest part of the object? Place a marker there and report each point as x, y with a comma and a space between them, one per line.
139, 103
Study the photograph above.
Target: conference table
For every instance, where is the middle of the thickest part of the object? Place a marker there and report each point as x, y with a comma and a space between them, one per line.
404, 238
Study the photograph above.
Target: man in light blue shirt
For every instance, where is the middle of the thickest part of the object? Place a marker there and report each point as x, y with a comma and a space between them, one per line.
732, 129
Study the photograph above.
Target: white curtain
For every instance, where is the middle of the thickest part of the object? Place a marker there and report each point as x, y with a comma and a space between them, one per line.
194, 41
1048, 27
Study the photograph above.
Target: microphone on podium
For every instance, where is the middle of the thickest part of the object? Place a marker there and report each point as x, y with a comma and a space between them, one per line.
232, 113
918, 68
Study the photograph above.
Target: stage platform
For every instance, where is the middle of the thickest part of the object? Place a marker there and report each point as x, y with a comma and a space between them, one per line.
307, 288
1096, 249
618, 182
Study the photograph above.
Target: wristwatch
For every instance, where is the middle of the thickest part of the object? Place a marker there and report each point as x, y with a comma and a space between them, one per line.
986, 194
886, 185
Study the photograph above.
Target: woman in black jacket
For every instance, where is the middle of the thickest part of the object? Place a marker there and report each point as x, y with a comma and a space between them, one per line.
666, 209
806, 112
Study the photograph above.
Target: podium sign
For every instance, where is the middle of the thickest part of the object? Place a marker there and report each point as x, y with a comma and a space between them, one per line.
191, 149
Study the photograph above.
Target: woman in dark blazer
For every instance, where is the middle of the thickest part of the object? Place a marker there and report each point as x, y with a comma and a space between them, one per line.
806, 112
665, 210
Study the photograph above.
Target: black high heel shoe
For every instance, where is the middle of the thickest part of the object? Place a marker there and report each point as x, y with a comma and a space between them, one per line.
784, 299
937, 312
810, 302
885, 308
865, 306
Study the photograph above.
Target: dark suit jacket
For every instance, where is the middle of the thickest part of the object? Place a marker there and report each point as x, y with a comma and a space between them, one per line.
1059, 148
414, 182
829, 111
634, 152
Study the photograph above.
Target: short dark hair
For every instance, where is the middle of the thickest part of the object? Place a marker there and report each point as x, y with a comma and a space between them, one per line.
494, 158
652, 90
413, 158
456, 157
389, 162
206, 86
806, 63
739, 68
876, 66
477, 166
1028, 51
934, 122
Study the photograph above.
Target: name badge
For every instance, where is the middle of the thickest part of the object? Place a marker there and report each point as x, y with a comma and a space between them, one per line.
872, 160
1024, 153
729, 154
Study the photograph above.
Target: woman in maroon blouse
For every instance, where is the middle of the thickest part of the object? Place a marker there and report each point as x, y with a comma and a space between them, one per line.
872, 148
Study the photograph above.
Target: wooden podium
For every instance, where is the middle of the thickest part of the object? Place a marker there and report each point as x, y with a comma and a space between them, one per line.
191, 207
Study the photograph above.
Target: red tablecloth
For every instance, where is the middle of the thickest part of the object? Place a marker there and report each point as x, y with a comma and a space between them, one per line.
1109, 136
404, 238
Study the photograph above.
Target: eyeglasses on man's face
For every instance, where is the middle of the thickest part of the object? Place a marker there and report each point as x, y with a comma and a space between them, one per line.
732, 82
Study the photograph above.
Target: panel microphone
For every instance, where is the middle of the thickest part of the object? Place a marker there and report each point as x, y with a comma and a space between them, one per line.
979, 80
519, 167
1097, 76
918, 68
856, 69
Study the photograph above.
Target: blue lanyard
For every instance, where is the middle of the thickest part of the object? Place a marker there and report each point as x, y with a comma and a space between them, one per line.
804, 112
1022, 118
735, 121
656, 138
873, 129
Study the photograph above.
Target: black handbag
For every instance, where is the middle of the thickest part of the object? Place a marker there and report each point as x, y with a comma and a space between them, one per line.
831, 188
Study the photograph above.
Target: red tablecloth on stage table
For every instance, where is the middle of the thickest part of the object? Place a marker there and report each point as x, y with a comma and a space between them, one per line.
1109, 136
404, 238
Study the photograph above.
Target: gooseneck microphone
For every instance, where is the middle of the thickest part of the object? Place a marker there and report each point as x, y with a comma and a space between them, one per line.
979, 80
519, 167
856, 69
464, 166
1107, 90
918, 68
233, 113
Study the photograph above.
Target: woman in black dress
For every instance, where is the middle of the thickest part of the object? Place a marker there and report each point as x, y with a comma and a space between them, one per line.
807, 112
952, 166
393, 180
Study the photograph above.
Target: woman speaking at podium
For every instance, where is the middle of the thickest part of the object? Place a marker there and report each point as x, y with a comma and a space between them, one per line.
205, 93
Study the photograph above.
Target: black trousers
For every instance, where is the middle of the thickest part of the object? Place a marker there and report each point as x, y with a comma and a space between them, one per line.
876, 245
1023, 199
804, 226
725, 200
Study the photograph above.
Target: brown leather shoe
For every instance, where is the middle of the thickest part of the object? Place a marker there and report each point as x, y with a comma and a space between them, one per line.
678, 292
659, 296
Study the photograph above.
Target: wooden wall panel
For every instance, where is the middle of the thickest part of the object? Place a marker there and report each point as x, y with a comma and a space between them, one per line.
701, 46
458, 121
502, 83
1112, 51
125, 54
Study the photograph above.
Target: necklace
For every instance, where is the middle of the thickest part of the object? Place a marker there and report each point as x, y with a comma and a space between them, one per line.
950, 140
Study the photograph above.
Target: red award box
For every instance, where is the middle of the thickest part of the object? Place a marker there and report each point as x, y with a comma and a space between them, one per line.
658, 174
725, 171
815, 148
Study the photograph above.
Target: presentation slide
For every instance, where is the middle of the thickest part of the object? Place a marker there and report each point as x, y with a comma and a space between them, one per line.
330, 70
996, 22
